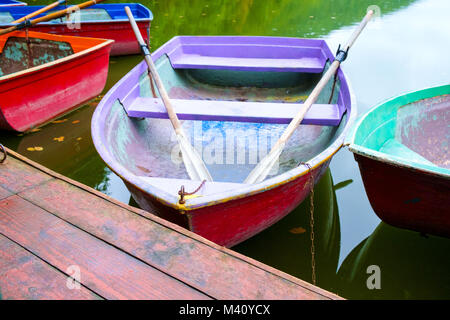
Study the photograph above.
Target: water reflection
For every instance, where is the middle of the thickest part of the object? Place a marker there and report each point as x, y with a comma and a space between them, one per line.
287, 244
412, 266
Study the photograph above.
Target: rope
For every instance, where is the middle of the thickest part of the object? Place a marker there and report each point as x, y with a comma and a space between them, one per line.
5, 154
183, 193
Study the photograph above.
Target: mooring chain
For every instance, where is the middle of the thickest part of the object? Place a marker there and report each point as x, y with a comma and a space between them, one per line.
183, 193
5, 154
311, 221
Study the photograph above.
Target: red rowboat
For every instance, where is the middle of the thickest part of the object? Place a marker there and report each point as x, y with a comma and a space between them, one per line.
44, 76
234, 94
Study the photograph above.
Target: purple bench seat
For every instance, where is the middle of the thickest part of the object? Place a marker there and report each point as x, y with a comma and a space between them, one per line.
212, 110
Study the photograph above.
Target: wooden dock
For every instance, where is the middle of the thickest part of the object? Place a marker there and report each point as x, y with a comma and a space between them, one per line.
51, 225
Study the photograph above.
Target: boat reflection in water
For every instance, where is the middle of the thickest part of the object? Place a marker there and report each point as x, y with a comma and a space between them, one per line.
287, 244
412, 266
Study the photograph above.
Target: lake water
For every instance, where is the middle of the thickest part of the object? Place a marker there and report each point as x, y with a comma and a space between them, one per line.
405, 48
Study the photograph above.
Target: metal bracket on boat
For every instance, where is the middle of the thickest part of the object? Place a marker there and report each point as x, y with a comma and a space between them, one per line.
145, 50
24, 24
341, 55
183, 193
5, 154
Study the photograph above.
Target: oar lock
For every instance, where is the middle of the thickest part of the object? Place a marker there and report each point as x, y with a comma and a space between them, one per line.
341, 55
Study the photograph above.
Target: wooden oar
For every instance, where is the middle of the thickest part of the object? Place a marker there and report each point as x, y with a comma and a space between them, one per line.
38, 12
194, 164
51, 16
262, 169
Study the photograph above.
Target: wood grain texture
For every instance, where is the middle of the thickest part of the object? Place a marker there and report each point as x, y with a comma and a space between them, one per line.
212, 271
107, 271
4, 193
24, 276
17, 176
221, 272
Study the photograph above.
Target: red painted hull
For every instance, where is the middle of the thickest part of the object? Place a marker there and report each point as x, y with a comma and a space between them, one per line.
407, 198
32, 98
123, 36
234, 221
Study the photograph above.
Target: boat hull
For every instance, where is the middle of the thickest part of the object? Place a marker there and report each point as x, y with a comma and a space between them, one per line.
234, 221
33, 97
407, 198
123, 36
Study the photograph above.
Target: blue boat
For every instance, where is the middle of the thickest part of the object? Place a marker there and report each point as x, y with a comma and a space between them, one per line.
10, 3
106, 21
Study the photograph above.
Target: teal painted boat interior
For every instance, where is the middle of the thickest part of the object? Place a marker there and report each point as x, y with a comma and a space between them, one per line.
410, 130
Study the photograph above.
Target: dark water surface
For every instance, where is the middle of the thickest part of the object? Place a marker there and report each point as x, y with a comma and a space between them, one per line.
405, 49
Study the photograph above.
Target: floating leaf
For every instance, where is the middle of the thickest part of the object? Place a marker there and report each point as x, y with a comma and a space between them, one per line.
75, 121
59, 139
38, 148
36, 130
298, 230
30, 149
60, 121
79, 138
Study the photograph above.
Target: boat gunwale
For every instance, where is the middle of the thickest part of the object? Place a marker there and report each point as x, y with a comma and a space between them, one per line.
48, 23
227, 195
49, 65
410, 97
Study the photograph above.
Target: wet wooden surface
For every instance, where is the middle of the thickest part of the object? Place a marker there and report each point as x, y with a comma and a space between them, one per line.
50, 224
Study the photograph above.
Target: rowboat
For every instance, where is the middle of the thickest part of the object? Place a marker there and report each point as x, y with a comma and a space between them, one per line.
44, 76
11, 3
402, 151
235, 96
104, 21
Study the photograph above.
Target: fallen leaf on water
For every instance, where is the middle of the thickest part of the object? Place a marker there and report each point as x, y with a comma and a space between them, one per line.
35, 130
60, 121
38, 148
79, 138
59, 139
30, 149
298, 230
75, 121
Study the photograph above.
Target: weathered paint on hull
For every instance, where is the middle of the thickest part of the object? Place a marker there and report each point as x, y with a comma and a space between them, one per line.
123, 36
407, 198
234, 221
32, 98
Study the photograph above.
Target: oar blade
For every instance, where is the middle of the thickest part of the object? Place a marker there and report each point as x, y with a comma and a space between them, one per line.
262, 169
193, 162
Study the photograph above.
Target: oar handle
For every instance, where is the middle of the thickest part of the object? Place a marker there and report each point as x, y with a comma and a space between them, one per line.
51, 16
38, 12
162, 91
312, 98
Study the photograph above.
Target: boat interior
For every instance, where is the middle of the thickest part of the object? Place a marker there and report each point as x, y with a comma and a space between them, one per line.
251, 109
412, 132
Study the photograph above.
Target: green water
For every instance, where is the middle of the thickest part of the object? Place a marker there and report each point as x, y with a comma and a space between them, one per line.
405, 49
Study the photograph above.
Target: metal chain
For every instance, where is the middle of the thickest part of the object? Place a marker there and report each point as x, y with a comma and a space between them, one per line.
311, 222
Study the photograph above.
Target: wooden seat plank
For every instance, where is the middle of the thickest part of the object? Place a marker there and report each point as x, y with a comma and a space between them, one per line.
213, 110
205, 267
4, 193
111, 273
38, 280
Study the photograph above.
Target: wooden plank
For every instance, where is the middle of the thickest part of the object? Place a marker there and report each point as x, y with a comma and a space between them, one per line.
4, 193
24, 276
213, 110
111, 273
205, 267
17, 176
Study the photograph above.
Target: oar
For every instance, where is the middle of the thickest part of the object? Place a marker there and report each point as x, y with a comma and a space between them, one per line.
262, 169
51, 16
38, 12
194, 164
